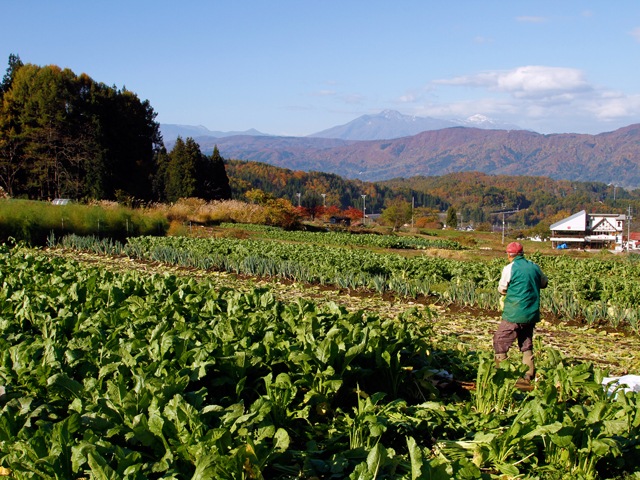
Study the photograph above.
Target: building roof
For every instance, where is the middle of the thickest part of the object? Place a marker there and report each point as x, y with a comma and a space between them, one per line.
594, 222
603, 225
576, 222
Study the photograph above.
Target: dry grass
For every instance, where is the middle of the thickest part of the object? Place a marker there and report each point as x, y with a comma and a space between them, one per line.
205, 213
105, 204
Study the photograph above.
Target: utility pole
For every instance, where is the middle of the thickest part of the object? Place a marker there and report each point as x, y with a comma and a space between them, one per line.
503, 213
628, 228
413, 204
364, 208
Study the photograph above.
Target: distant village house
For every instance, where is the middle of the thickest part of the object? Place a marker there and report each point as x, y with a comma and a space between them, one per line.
589, 231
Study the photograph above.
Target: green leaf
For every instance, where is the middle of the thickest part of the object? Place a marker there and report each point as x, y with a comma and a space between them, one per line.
564, 437
99, 467
415, 454
375, 459
616, 427
597, 412
67, 387
604, 446
361, 472
282, 440
156, 423
142, 432
509, 469
543, 430
205, 467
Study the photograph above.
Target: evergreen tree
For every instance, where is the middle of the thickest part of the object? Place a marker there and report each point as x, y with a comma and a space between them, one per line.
130, 137
12, 141
14, 65
161, 161
187, 172
181, 170
452, 218
67, 135
46, 109
213, 182
312, 203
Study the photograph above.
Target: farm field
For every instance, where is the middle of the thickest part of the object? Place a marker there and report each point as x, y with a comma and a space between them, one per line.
464, 327
122, 366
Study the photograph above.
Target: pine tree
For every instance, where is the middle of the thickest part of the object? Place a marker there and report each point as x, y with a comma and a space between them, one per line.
14, 65
158, 183
213, 182
67, 135
452, 218
181, 171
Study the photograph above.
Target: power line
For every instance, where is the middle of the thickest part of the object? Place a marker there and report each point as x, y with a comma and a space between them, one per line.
504, 212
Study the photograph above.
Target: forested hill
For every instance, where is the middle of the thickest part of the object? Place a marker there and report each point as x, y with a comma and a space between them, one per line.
67, 135
476, 195
612, 157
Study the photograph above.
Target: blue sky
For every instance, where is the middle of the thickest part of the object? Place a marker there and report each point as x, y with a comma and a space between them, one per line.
288, 67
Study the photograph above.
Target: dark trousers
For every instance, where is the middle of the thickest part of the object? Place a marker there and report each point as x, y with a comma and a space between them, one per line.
508, 332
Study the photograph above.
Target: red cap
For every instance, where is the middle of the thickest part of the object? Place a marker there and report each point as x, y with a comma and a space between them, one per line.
515, 247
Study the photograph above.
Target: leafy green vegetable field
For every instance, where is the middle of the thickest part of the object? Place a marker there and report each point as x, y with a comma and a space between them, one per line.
346, 238
592, 290
118, 369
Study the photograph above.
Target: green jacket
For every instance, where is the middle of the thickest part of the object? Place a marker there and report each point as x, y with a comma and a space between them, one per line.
521, 281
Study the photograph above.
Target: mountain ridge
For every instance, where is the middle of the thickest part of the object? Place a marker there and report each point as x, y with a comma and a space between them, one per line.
171, 131
386, 124
610, 157
378, 147
390, 124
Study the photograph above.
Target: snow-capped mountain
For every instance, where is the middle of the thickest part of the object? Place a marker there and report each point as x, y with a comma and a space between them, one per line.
482, 121
390, 124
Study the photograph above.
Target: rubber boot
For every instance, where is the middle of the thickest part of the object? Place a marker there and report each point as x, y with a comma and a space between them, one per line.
527, 359
500, 357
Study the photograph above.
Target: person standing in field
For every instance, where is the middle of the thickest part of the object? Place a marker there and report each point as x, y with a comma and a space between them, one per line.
520, 284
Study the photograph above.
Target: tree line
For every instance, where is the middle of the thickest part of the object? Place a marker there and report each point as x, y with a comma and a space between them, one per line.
64, 135
461, 198
318, 188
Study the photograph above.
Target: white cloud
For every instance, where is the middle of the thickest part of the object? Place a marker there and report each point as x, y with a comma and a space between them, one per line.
614, 105
544, 99
463, 109
540, 81
527, 82
407, 98
414, 95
